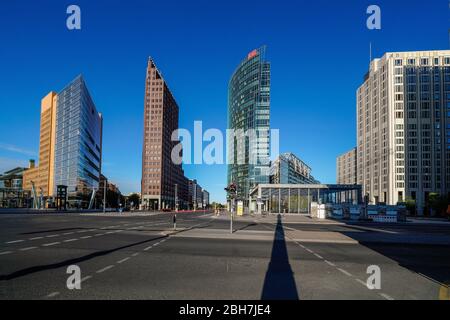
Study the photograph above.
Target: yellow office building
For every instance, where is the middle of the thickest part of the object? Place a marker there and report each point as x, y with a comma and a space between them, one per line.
43, 174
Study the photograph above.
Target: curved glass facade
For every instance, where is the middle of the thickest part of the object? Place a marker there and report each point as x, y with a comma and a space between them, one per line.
249, 120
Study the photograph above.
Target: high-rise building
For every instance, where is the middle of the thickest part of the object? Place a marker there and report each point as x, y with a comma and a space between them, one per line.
70, 147
346, 168
249, 116
287, 168
403, 127
43, 175
159, 173
78, 149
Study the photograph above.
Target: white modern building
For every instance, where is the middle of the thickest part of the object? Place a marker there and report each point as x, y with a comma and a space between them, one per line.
403, 127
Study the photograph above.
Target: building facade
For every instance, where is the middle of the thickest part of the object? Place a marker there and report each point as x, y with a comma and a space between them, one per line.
249, 116
346, 168
403, 127
159, 173
205, 199
70, 145
42, 176
195, 195
78, 144
287, 168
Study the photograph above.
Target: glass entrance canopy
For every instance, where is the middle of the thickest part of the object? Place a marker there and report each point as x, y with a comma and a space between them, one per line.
297, 198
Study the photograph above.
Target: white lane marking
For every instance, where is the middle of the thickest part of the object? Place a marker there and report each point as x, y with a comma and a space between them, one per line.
50, 244
109, 232
123, 260
98, 234
309, 250
361, 282
29, 248
135, 254
387, 297
330, 263
86, 237
345, 272
70, 240
36, 238
318, 256
53, 294
15, 241
156, 244
86, 278
5, 252
105, 268
53, 235
67, 233
148, 248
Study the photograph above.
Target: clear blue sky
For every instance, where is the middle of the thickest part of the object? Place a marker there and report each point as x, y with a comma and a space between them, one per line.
319, 51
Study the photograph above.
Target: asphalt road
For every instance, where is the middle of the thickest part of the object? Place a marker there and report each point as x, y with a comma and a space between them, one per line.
142, 257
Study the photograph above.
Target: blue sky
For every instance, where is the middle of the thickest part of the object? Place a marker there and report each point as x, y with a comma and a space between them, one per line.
319, 52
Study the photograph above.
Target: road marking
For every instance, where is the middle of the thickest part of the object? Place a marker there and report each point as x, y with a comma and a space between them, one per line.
135, 254
387, 297
309, 250
5, 252
148, 248
318, 256
98, 234
36, 238
105, 268
50, 244
123, 260
86, 237
86, 278
15, 241
67, 233
109, 232
53, 235
29, 248
362, 282
330, 263
345, 272
53, 294
70, 240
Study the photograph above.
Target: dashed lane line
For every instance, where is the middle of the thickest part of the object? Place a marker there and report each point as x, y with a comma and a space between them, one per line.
105, 268
50, 244
70, 240
345, 272
53, 294
123, 260
28, 248
387, 297
15, 241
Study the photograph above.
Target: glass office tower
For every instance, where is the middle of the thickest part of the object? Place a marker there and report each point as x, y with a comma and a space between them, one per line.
249, 116
78, 148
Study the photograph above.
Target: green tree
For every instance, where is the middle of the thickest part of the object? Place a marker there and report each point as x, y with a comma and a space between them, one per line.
438, 203
135, 198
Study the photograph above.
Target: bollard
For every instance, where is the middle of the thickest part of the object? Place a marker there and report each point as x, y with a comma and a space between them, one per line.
175, 221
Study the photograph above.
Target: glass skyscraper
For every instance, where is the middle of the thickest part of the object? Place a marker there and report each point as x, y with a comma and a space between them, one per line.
249, 119
78, 149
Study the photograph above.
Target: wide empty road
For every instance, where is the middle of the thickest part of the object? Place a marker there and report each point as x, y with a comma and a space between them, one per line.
140, 256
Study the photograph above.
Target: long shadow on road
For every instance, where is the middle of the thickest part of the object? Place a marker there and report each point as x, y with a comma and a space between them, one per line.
279, 283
